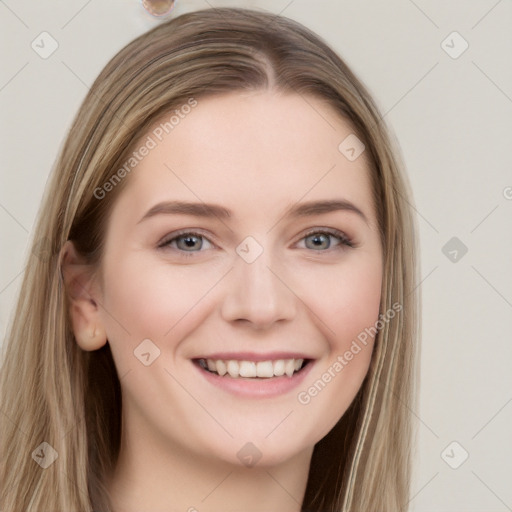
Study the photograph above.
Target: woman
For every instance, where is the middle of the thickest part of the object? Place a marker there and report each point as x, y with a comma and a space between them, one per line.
218, 312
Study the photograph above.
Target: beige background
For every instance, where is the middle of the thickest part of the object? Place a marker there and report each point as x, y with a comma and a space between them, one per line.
453, 118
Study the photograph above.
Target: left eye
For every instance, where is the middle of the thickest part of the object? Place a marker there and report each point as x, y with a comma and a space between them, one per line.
322, 240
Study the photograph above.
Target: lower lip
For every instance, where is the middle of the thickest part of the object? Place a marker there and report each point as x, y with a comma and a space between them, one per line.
254, 387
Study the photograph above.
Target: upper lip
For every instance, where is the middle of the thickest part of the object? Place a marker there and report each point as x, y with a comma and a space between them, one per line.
253, 356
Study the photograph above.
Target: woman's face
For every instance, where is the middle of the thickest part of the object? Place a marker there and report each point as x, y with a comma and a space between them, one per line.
245, 239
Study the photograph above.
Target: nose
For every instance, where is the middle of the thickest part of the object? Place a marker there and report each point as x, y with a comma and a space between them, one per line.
258, 294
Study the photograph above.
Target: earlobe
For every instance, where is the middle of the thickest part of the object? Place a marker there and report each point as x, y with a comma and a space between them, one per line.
82, 300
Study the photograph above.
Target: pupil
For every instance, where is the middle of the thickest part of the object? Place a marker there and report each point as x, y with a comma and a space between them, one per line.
320, 240
190, 241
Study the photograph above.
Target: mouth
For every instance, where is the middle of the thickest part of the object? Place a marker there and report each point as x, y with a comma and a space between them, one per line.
247, 369
254, 376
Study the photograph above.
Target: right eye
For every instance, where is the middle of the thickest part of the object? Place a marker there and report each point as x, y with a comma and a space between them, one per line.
185, 242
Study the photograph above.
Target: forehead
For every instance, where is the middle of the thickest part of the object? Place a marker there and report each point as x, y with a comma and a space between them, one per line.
259, 151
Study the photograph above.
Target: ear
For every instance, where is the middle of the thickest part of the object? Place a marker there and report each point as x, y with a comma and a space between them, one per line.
83, 298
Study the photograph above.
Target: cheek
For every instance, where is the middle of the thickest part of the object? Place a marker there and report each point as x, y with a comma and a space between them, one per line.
354, 309
346, 300
354, 306
349, 310
153, 300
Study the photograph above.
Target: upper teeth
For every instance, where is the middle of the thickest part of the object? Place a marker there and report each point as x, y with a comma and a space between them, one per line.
236, 369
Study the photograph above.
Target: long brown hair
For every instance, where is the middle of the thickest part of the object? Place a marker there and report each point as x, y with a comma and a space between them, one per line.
53, 392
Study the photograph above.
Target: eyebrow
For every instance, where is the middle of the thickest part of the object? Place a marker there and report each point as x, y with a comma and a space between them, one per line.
306, 209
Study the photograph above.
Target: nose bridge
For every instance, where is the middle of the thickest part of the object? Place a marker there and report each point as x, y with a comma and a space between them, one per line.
255, 293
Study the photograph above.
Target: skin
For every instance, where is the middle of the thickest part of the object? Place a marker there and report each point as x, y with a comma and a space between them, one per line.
256, 153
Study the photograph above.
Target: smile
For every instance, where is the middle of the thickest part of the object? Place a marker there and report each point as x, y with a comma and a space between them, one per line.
252, 369
249, 375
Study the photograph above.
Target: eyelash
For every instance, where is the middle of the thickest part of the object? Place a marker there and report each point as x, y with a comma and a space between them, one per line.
343, 239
